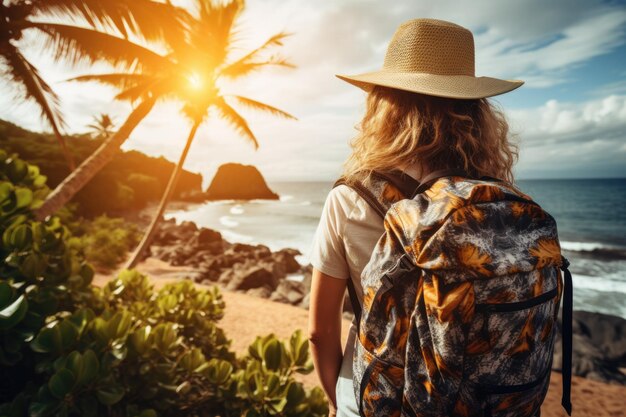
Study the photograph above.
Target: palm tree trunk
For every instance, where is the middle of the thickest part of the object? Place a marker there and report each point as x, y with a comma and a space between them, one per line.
93, 164
169, 191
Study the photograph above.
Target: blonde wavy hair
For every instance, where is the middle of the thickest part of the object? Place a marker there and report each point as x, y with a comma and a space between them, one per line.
402, 128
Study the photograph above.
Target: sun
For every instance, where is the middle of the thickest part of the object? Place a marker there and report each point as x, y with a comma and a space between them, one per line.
195, 81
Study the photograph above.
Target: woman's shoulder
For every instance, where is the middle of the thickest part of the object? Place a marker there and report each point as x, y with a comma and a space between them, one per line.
352, 205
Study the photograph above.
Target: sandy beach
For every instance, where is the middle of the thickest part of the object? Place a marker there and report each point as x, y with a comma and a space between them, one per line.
248, 316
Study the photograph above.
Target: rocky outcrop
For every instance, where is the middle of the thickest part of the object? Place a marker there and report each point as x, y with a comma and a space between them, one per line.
599, 347
239, 182
253, 269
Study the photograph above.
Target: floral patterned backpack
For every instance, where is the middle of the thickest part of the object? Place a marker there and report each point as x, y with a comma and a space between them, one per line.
461, 297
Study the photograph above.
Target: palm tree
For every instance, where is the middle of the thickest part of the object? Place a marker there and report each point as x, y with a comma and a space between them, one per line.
199, 65
144, 18
102, 126
189, 73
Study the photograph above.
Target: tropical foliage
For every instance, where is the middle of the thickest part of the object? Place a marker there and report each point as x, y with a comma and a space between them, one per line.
68, 348
105, 241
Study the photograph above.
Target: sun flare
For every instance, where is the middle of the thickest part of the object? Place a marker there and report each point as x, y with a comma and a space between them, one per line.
195, 81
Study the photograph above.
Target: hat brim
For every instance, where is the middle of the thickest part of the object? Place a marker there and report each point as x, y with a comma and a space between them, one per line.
450, 86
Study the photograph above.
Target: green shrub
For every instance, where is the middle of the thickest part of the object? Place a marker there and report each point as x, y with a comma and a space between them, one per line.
70, 349
105, 241
40, 275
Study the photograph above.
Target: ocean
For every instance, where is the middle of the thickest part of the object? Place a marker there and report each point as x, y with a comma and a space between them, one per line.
590, 214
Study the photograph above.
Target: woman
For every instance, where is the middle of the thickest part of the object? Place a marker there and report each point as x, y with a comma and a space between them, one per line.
425, 111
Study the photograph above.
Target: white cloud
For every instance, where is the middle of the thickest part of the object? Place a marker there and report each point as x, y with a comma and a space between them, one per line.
581, 139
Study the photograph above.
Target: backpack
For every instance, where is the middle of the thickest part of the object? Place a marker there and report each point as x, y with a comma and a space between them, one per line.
460, 299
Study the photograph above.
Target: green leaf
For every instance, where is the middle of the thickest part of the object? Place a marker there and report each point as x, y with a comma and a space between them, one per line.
48, 340
6, 294
33, 265
272, 354
22, 237
87, 273
16, 170
91, 367
110, 395
24, 197
61, 383
13, 313
69, 333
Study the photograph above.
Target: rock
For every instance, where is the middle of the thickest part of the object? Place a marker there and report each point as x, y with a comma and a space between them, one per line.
251, 278
291, 292
306, 301
186, 228
263, 292
599, 347
239, 182
242, 247
207, 236
287, 257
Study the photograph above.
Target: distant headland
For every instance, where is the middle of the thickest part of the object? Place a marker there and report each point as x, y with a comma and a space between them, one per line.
234, 181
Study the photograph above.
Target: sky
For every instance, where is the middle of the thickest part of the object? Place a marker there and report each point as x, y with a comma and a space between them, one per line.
569, 117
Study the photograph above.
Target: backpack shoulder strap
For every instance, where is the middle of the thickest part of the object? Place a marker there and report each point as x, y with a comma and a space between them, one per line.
365, 194
371, 188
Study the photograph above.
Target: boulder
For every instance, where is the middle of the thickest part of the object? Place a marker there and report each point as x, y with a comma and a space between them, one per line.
599, 347
239, 182
287, 258
207, 236
263, 292
251, 278
291, 292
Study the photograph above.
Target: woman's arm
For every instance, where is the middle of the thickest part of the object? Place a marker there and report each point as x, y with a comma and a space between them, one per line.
325, 307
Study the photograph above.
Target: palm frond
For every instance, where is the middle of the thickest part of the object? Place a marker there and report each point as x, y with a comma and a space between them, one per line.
153, 87
120, 80
134, 93
213, 28
257, 105
242, 68
78, 44
252, 60
35, 88
236, 120
147, 19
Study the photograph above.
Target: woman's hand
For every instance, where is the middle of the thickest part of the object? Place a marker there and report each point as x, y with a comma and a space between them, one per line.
326, 304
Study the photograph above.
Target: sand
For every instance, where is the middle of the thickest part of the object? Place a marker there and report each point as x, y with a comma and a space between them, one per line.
247, 316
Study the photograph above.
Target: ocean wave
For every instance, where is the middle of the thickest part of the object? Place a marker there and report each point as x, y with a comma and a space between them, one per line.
595, 250
598, 284
237, 209
305, 203
237, 237
286, 198
228, 221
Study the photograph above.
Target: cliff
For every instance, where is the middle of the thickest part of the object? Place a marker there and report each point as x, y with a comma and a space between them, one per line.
239, 182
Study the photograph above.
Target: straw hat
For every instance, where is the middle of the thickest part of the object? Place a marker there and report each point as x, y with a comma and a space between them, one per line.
432, 57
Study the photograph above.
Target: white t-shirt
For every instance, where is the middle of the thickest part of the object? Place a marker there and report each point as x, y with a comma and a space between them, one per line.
345, 238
